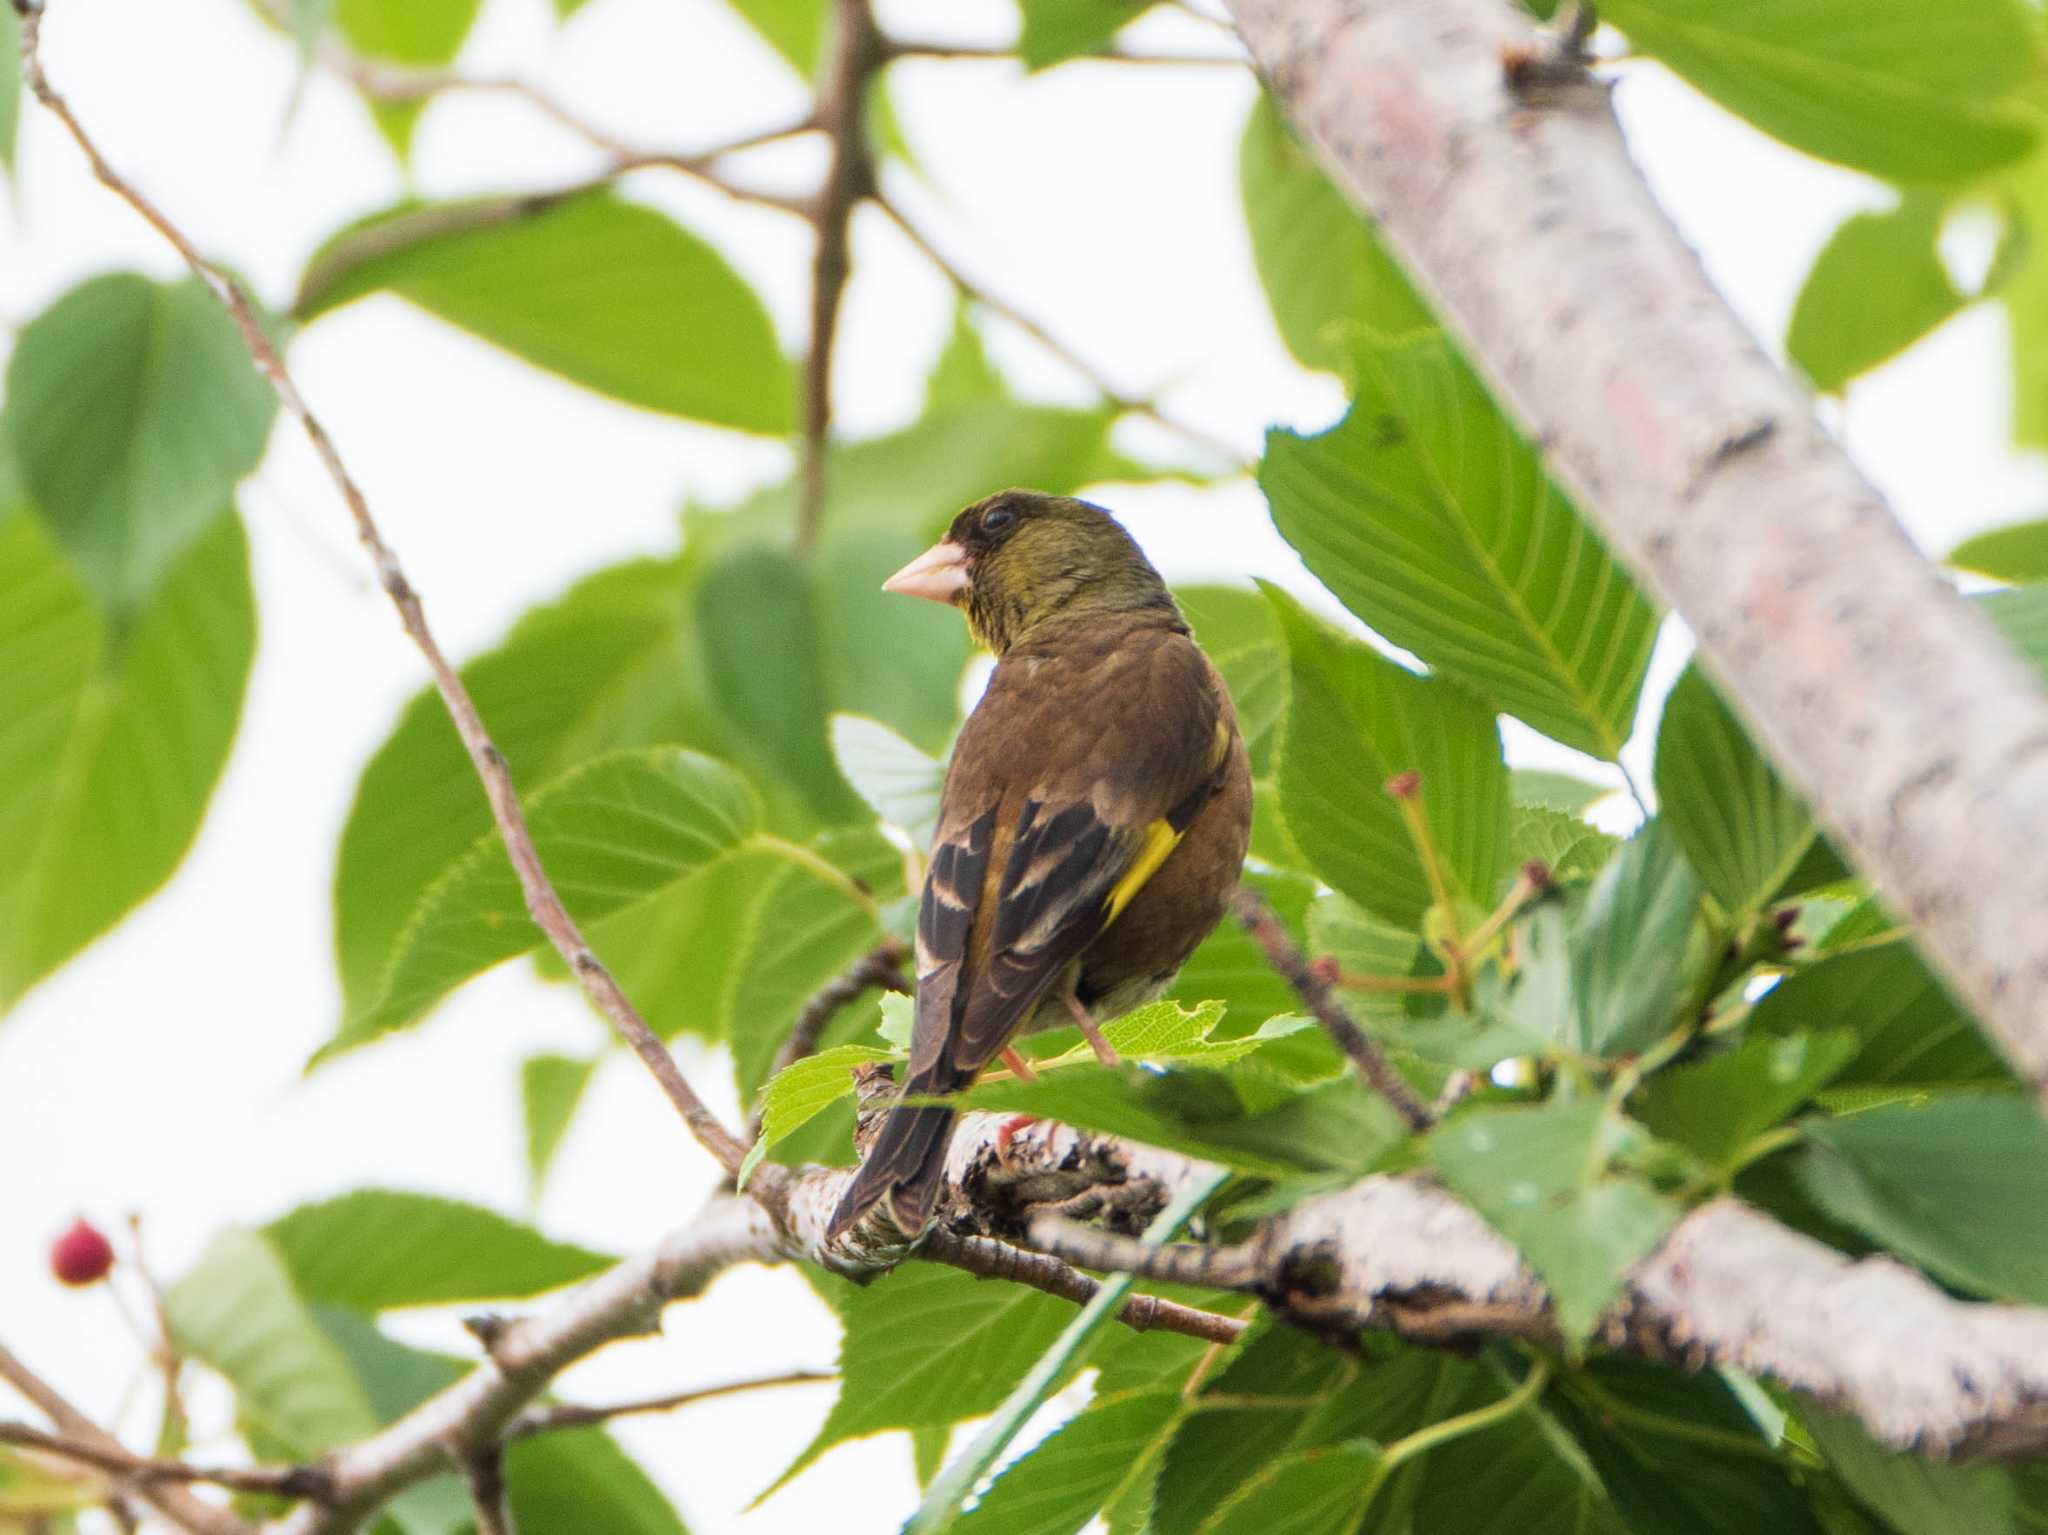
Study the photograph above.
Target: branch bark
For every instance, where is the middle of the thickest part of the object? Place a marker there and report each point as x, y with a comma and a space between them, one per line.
1918, 736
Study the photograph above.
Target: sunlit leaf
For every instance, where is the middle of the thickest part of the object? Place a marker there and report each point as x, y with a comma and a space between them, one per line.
1877, 287
1427, 514
550, 1088
2017, 554
1056, 30
670, 326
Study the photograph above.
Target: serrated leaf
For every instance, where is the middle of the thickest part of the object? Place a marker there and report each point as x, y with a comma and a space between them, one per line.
671, 327
1909, 1028
1083, 1465
1718, 1106
550, 1088
375, 1249
1057, 30
1431, 519
133, 411
1540, 789
1522, 1476
1877, 287
1562, 843
1317, 1492
110, 744
1855, 80
801, 1091
616, 832
1631, 954
1912, 1495
1323, 269
2016, 554
238, 1311
611, 663
1541, 1177
1952, 1183
1741, 826
1356, 720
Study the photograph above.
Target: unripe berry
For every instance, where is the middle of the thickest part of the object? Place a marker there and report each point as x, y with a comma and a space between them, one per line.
82, 1255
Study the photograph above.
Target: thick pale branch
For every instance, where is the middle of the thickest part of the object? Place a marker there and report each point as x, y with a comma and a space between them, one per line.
542, 903
1919, 737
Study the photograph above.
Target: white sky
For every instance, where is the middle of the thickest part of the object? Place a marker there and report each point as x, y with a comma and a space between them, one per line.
160, 1071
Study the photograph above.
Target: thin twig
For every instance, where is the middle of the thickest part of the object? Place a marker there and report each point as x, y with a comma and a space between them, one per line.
544, 1420
973, 291
920, 48
1272, 938
1044, 1270
842, 113
174, 1502
544, 905
1195, 1263
142, 1471
881, 966
484, 1470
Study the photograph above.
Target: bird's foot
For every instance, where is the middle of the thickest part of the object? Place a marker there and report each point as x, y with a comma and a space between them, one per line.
1104, 1052
1019, 1067
1007, 1132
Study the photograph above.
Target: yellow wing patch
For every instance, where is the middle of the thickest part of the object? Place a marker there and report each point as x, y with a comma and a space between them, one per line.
1160, 840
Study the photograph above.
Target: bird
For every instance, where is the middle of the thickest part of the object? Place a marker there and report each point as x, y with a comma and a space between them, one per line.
1092, 824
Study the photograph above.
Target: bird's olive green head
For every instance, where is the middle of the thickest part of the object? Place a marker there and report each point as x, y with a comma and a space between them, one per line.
1026, 565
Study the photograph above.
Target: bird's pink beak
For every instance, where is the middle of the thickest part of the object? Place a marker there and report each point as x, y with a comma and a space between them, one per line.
940, 574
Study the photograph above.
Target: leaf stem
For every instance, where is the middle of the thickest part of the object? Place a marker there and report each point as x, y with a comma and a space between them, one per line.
1424, 1440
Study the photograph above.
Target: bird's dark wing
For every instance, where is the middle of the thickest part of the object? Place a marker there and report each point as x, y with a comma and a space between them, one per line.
1069, 787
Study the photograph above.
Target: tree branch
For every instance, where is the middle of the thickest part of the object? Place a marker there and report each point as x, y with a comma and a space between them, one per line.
1257, 918
142, 1472
542, 903
974, 292
917, 48
1918, 736
842, 113
75, 1429
546, 1420
484, 1470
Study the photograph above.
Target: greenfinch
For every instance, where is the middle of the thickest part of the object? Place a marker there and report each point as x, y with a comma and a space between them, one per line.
1093, 822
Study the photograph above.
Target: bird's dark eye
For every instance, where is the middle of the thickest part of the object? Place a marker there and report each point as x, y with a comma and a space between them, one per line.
997, 518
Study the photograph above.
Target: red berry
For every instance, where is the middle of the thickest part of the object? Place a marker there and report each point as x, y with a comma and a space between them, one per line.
82, 1255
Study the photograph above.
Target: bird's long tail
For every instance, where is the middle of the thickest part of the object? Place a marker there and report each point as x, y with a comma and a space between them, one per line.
904, 1165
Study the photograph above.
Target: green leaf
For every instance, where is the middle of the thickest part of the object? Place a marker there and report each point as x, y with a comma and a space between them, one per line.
375, 1249
238, 1311
618, 831
795, 29
801, 1091
734, 951
1241, 636
894, 658
133, 411
764, 656
1741, 826
1088, 1462
1877, 287
1717, 1107
1228, 966
927, 1345
1679, 1454
1909, 1029
1340, 929
1539, 789
941, 1506
611, 663
581, 1483
670, 327
550, 1088
1324, 270
422, 32
1356, 720
1431, 519
963, 375
1953, 1183
10, 86
899, 782
1912, 1495
1057, 30
1540, 1176
110, 745
1562, 843
1524, 1475
1317, 1492
1863, 82
1631, 952
2017, 554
